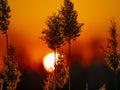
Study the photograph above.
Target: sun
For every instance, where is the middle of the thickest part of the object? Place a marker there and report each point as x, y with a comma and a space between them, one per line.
49, 61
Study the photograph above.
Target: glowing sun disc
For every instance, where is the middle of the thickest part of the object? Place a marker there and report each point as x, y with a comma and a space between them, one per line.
48, 61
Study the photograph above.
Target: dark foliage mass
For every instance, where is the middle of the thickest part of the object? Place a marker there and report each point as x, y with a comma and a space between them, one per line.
71, 27
53, 35
4, 15
12, 73
112, 54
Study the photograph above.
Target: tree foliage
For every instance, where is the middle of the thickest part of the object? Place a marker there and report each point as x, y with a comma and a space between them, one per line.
62, 73
4, 15
113, 56
12, 73
53, 35
49, 82
71, 27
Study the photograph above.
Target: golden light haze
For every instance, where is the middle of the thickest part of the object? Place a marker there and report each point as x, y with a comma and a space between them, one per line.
28, 17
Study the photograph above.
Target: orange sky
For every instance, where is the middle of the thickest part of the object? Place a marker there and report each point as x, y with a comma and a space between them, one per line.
28, 17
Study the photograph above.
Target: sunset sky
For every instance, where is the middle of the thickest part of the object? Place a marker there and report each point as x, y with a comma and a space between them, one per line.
28, 17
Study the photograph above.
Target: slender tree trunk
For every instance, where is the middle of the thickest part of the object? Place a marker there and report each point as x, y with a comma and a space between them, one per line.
7, 45
69, 49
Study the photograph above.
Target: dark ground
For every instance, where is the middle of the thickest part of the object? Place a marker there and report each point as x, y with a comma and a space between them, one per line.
95, 75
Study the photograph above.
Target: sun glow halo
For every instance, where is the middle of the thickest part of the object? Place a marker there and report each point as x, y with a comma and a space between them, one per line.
49, 61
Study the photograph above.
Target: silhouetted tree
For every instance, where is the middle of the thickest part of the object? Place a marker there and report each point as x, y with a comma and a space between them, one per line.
53, 36
4, 19
71, 27
112, 55
12, 73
